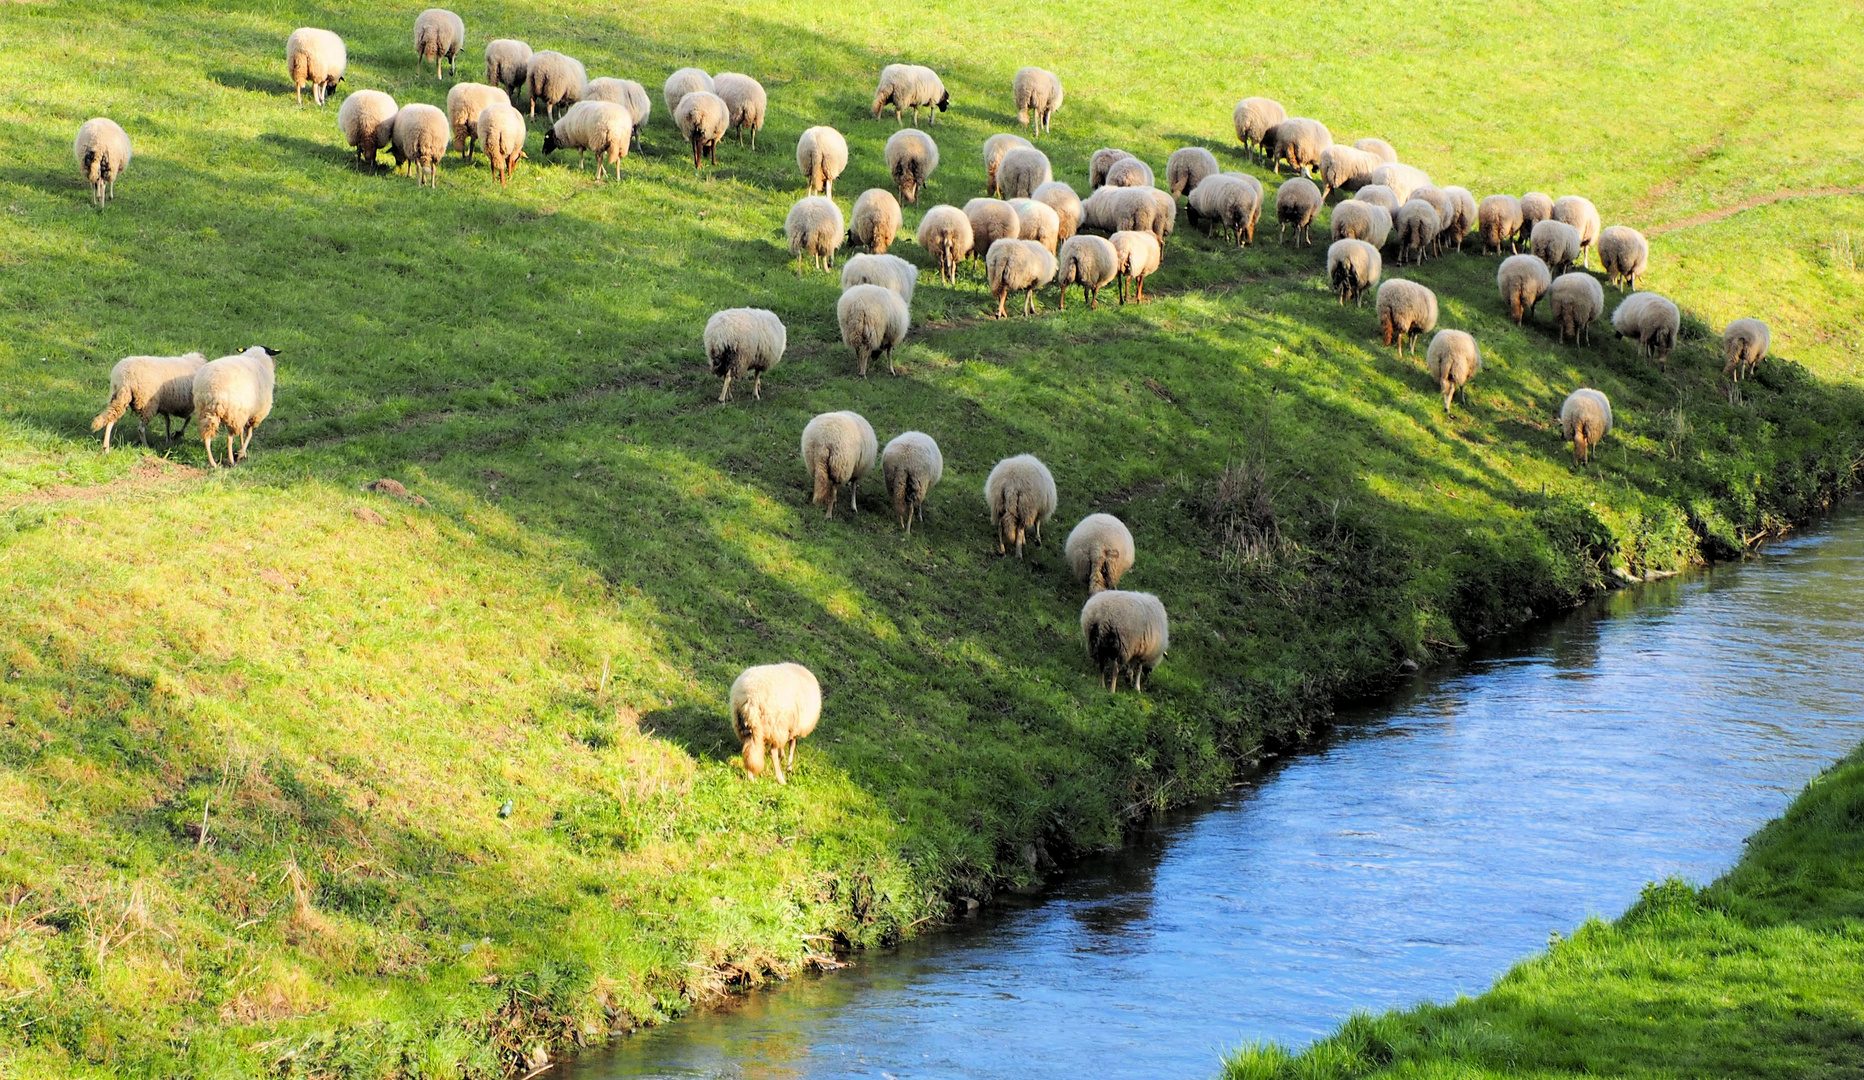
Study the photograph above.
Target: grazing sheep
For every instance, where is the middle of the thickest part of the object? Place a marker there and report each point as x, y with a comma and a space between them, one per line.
1036, 91
821, 154
814, 227
1556, 242
994, 148
1581, 215
744, 341
366, 119
1021, 495
1297, 141
702, 118
889, 271
1125, 631
1445, 207
152, 386
911, 465
102, 152
439, 35
1378, 148
1129, 172
838, 448
1499, 219
1165, 213
554, 79
1090, 262
1522, 280
687, 80
910, 86
1585, 419
991, 220
1462, 214
1100, 552
772, 706
507, 60
1297, 203
875, 221
626, 93
1535, 208
235, 391
1744, 343
1114, 209
1355, 220
1353, 266
1061, 198
945, 234
501, 131
1651, 319
1186, 167
1418, 225
1625, 254
1401, 179
1023, 170
1346, 168
1453, 358
745, 103
1037, 221
1379, 195
1405, 307
1018, 266
911, 158
420, 138
1253, 118
464, 104
1139, 254
1577, 300
315, 58
873, 319
601, 127
1227, 201
1099, 163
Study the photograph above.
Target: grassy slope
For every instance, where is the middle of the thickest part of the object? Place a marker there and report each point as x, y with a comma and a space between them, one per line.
349, 702
1756, 975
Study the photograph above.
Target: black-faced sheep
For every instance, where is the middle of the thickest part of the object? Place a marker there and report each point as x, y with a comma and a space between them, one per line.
1187, 167
465, 101
1037, 92
745, 103
911, 465
600, 127
744, 341
1498, 217
439, 35
315, 58
419, 139
821, 154
1585, 419
994, 148
1453, 359
366, 119
814, 227
1100, 552
1353, 266
507, 60
875, 220
1577, 302
1017, 266
235, 391
554, 79
910, 86
911, 158
702, 118
1652, 321
873, 320
1252, 118
1405, 307
1020, 493
1625, 254
772, 706
838, 448
501, 132
1522, 280
1125, 631
1061, 198
1297, 203
945, 234
1087, 261
151, 386
1744, 344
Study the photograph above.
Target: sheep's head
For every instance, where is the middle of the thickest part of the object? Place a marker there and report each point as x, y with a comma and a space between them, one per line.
550, 142
944, 101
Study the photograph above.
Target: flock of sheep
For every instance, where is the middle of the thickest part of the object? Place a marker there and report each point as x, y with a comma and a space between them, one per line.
1028, 231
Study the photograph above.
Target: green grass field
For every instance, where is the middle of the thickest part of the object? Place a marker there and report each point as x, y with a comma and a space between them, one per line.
345, 689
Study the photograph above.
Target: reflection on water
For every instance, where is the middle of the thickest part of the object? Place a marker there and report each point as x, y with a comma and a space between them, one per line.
1432, 842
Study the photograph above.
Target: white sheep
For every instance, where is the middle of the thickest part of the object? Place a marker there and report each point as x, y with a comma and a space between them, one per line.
744, 341
911, 158
875, 220
1652, 320
1020, 493
1401, 180
994, 148
703, 118
102, 153
1017, 266
1355, 220
1522, 280
554, 79
1582, 216
151, 386
873, 320
772, 706
366, 119
838, 448
1187, 167
625, 92
1088, 261
1379, 195
1112, 209
1577, 302
1036, 92
1445, 207
991, 220
1463, 212
1556, 242
1378, 148
1125, 631
821, 154
1498, 217
1139, 255
1405, 307
1535, 208
465, 101
1253, 117
1164, 212
419, 139
1099, 163
911, 465
315, 58
1037, 221
814, 227
889, 271
1744, 344
235, 391
439, 35
1100, 552
507, 60
687, 80
1129, 172
1453, 359
910, 86
1061, 198
600, 127
501, 132
1346, 168
746, 101
1418, 224
1297, 203
1229, 201
1585, 419
1353, 266
1625, 255
1023, 170
945, 234
1298, 141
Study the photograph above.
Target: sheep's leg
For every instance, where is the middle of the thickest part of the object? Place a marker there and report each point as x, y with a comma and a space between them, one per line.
757, 387
246, 440
724, 394
142, 431
1001, 298
183, 430
792, 758
776, 764
108, 428
208, 443
231, 460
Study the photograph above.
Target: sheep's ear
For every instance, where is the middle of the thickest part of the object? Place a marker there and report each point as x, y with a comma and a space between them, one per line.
269, 351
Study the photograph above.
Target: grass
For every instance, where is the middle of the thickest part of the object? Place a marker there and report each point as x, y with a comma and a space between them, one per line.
1755, 975
342, 690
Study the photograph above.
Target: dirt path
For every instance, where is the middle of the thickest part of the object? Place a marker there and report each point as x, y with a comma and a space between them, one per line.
1708, 216
146, 475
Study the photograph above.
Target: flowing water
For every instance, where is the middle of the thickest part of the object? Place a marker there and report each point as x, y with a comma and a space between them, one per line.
1433, 841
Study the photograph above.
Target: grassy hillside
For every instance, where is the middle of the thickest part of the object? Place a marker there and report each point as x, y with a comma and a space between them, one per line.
258, 727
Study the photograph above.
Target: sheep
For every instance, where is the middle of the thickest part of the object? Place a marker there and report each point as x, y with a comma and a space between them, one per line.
1418, 225
1556, 242
1445, 207
814, 226
1462, 214
1522, 280
1020, 493
1139, 256
1125, 631
905, 86
1228, 201
1100, 552
1297, 203
911, 465
1577, 300
1653, 320
1253, 117
1401, 179
1744, 343
838, 448
687, 80
772, 706
601, 127
1036, 91
821, 154
439, 35
994, 148
1023, 170
1164, 212
1297, 141
1453, 359
702, 118
102, 153
1114, 209
151, 386
945, 234
1186, 167
626, 93
911, 158
1018, 266
1585, 419
1129, 172
465, 101
1405, 307
1581, 215
316, 58
1352, 267
890, 271
745, 101
1037, 221
1499, 219
1379, 195
1060, 198
873, 319
501, 131
1090, 262
744, 341
366, 119
554, 79
1346, 168
1355, 220
235, 391
991, 220
1378, 148
1099, 162
506, 63
420, 138
1625, 254
875, 221
1535, 208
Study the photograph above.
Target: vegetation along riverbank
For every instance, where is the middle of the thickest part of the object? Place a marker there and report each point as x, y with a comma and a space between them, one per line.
302, 779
